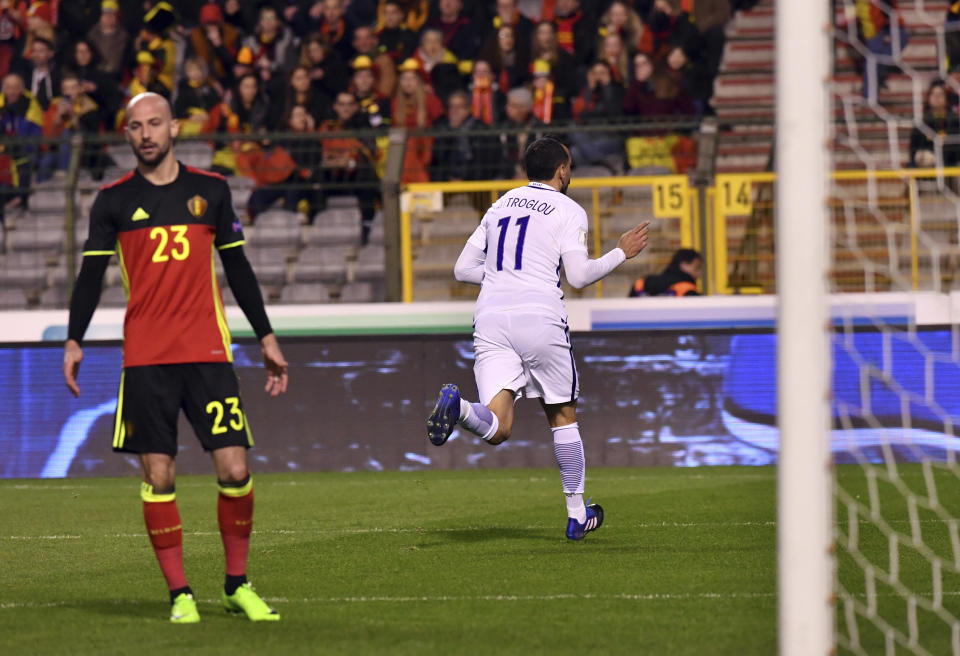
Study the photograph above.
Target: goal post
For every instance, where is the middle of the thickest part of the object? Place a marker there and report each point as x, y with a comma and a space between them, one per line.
805, 565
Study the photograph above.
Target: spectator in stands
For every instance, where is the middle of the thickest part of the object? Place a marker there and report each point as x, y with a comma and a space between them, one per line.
110, 40
326, 70
20, 116
411, 14
365, 44
507, 15
95, 82
878, 32
458, 32
155, 39
576, 32
240, 16
666, 27
654, 93
12, 18
248, 106
71, 112
397, 39
332, 24
614, 53
464, 154
440, 64
509, 58
375, 106
711, 18
486, 99
620, 19
196, 97
548, 104
415, 106
145, 77
244, 113
686, 77
600, 100
216, 42
40, 72
347, 162
519, 129
301, 93
940, 131
678, 279
562, 64
40, 19
273, 46
298, 188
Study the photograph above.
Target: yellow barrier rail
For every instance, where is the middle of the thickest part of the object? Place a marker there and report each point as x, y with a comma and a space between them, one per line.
671, 198
736, 195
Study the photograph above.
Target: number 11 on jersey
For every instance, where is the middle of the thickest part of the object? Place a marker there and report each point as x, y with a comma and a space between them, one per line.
503, 224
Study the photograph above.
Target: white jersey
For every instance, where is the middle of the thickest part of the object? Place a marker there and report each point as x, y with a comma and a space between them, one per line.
524, 235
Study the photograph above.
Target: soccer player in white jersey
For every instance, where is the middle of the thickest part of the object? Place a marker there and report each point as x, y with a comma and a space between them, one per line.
521, 339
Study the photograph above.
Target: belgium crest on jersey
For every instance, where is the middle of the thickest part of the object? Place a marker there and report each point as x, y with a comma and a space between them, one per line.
197, 206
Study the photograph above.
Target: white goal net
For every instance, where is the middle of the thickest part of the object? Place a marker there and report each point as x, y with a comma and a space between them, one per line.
893, 227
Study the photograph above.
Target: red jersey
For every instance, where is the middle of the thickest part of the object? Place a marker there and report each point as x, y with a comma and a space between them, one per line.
164, 237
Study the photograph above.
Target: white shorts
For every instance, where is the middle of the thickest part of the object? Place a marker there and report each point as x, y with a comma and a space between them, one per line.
528, 354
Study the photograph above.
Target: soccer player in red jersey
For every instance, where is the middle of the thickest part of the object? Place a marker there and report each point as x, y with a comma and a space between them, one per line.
164, 221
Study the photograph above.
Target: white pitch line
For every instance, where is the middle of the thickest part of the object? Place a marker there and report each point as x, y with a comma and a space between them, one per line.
397, 530
446, 529
405, 599
368, 480
426, 599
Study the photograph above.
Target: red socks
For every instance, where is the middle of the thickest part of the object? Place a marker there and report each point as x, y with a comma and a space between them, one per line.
166, 534
235, 514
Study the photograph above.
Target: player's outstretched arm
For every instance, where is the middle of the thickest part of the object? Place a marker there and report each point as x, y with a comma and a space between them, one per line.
581, 271
276, 366
634, 240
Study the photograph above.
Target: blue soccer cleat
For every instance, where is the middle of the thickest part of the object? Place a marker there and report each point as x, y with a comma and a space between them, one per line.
445, 414
576, 530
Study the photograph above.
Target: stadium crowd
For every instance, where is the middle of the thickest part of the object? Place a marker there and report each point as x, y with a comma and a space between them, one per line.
475, 81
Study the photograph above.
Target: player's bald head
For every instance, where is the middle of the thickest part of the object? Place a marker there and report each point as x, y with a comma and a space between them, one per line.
151, 128
146, 103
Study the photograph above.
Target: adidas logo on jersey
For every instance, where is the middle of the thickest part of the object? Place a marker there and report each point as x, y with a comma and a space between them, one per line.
140, 215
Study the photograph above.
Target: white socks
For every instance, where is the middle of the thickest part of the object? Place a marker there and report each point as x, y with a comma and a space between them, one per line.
478, 419
568, 449
575, 507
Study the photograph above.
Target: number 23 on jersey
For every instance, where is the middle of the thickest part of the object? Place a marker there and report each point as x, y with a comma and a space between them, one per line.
171, 241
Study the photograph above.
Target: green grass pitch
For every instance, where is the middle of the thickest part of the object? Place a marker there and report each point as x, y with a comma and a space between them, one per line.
439, 562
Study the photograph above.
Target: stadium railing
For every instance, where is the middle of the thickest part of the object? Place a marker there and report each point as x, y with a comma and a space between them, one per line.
915, 238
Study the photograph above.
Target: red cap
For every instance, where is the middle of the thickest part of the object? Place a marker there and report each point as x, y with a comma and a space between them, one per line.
210, 13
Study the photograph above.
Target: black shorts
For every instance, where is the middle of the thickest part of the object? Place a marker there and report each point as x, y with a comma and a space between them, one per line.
151, 397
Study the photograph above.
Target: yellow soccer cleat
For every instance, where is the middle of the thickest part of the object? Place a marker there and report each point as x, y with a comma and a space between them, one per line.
184, 610
245, 600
